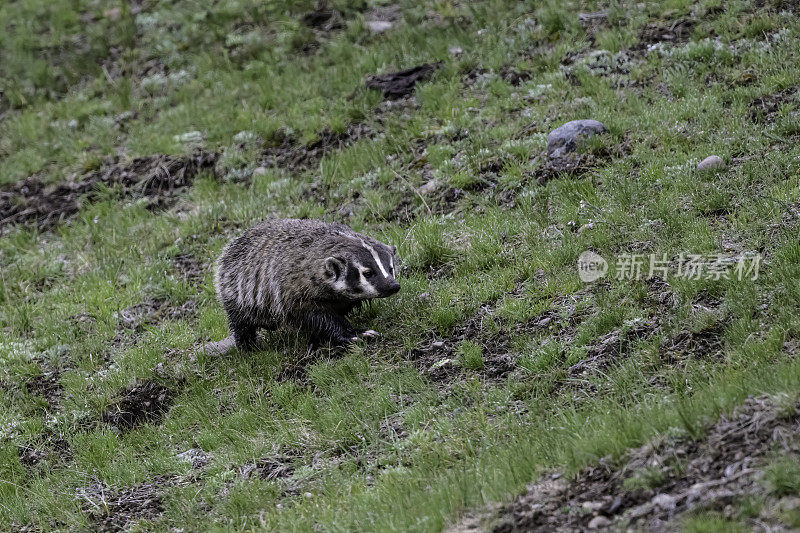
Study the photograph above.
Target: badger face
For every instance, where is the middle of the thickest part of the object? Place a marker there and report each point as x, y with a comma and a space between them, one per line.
362, 272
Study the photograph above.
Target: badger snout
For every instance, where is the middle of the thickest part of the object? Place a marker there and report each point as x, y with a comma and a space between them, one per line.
391, 287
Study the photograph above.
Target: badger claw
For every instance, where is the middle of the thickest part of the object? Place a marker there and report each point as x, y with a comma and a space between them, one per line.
369, 334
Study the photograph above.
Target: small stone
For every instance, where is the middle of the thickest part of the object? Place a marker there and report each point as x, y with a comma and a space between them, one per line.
244, 137
379, 26
665, 501
195, 457
592, 506
564, 139
712, 161
428, 188
442, 363
789, 503
599, 521
259, 171
73, 123
113, 13
308, 495
456, 50
189, 137
437, 344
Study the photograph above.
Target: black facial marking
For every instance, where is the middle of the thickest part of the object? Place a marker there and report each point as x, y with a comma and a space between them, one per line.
353, 278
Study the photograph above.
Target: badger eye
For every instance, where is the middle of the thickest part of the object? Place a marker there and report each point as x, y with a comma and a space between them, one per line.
368, 273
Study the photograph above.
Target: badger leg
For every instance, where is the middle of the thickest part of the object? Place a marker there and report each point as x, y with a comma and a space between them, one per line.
244, 335
329, 327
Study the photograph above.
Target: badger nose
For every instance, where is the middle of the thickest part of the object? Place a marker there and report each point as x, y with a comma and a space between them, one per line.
393, 288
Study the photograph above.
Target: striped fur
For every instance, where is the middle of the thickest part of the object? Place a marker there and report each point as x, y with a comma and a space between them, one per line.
301, 273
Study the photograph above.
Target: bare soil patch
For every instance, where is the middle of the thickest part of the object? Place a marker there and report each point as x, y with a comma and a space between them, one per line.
187, 266
765, 109
400, 84
47, 446
277, 467
656, 485
576, 164
144, 402
324, 19
611, 347
439, 358
159, 178
152, 312
705, 343
118, 511
677, 31
289, 154
48, 385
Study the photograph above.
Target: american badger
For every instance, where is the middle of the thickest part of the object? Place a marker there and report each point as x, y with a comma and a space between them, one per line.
302, 273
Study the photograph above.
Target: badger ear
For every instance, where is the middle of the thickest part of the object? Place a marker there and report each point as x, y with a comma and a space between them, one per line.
333, 268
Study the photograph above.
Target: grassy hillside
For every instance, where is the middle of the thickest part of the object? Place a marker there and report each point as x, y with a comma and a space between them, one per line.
138, 137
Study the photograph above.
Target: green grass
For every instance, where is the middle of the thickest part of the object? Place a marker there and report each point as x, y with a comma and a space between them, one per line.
373, 439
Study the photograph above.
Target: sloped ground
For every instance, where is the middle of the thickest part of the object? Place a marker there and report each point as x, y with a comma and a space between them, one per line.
137, 139
654, 487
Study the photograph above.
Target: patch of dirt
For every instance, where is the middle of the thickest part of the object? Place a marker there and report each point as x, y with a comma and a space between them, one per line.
593, 23
324, 19
611, 347
657, 484
119, 511
48, 446
392, 428
143, 402
706, 343
159, 178
189, 267
765, 108
152, 312
277, 467
293, 156
777, 5
513, 76
676, 32
439, 358
48, 385
576, 164
400, 84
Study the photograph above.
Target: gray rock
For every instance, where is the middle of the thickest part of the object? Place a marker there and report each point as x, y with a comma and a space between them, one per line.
564, 139
196, 457
428, 188
712, 161
189, 137
599, 521
379, 26
665, 501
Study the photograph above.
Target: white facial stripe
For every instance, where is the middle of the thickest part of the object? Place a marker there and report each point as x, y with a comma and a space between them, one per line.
391, 263
377, 259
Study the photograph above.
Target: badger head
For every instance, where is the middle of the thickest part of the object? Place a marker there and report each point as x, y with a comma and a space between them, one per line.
362, 271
